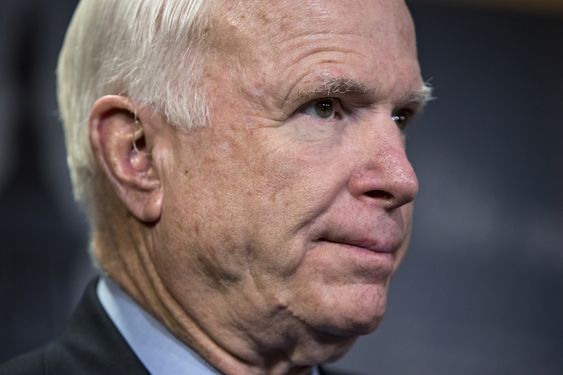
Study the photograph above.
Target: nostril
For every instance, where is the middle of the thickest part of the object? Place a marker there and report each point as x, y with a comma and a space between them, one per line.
380, 194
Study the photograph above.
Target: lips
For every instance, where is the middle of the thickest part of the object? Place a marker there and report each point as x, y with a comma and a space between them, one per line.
380, 234
388, 246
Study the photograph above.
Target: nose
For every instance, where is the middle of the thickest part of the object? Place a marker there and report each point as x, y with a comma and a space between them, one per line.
384, 175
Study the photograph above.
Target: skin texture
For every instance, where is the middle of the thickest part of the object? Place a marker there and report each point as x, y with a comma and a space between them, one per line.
267, 240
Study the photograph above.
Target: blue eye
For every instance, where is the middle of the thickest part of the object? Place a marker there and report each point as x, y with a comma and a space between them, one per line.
324, 108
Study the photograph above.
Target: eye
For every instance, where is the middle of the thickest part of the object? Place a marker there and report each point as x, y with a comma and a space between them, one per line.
402, 118
325, 109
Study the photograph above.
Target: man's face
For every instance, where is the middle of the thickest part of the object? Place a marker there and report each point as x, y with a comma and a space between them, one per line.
291, 212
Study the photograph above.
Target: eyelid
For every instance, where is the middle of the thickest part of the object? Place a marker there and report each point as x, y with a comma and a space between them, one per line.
414, 108
411, 109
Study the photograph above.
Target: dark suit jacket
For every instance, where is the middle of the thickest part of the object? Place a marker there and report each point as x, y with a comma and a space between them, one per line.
89, 345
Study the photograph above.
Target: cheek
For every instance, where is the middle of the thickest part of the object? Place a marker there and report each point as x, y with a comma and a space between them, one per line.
290, 194
202, 225
245, 204
200, 242
294, 176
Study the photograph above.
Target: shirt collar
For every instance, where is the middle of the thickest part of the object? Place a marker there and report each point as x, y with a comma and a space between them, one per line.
159, 351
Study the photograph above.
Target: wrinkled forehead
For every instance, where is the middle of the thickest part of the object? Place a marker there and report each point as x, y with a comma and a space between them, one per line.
239, 22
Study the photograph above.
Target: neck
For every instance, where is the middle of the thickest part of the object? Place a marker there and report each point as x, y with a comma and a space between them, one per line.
274, 348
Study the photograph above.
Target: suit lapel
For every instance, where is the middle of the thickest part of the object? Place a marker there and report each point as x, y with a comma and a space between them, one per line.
91, 344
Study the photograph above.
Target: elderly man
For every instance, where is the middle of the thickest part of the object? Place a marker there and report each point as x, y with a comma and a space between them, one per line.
244, 169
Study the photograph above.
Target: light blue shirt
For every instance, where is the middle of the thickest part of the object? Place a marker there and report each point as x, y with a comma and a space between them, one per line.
159, 351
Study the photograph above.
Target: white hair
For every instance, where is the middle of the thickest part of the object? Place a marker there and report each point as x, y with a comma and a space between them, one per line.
148, 50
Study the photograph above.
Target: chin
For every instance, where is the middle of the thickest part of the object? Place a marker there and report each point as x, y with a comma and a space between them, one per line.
325, 351
358, 312
334, 328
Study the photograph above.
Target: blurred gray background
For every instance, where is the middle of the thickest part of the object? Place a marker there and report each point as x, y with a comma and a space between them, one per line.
481, 291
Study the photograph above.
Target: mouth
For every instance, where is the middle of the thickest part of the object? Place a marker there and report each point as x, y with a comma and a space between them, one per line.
372, 245
374, 261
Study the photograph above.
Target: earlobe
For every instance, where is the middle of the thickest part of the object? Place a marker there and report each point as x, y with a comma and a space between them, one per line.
123, 150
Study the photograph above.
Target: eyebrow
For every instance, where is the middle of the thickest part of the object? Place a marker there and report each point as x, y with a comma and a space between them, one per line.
335, 86
422, 96
346, 86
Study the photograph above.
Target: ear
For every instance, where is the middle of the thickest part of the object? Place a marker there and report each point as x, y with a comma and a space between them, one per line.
123, 151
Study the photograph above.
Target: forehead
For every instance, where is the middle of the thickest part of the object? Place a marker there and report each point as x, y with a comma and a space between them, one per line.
238, 22
274, 52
